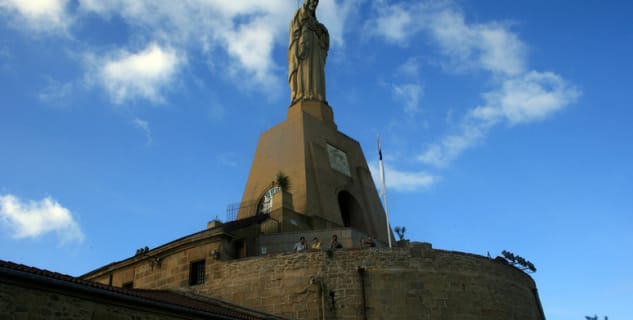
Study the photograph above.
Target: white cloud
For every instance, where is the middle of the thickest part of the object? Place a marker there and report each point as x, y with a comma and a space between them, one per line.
143, 125
531, 97
247, 43
333, 14
394, 23
246, 31
519, 95
409, 94
144, 74
468, 135
39, 15
237, 37
403, 181
55, 91
500, 50
411, 68
35, 218
489, 46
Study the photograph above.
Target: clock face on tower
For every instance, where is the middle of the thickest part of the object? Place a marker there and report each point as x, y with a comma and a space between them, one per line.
338, 160
266, 202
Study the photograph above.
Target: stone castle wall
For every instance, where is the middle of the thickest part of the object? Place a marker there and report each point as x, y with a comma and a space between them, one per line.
423, 284
417, 283
169, 272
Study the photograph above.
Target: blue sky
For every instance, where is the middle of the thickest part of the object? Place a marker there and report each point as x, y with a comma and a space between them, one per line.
505, 125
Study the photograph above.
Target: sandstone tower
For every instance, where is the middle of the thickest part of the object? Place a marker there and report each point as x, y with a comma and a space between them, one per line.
330, 182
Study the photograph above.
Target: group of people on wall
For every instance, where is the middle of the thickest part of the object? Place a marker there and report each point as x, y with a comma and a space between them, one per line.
302, 245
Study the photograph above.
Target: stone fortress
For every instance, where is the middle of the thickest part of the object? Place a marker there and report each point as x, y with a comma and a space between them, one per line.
331, 192
246, 262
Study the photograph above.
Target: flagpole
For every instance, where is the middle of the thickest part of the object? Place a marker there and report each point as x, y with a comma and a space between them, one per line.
383, 190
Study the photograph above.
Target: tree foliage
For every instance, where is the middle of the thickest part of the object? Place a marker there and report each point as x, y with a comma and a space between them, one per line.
595, 317
282, 181
518, 261
400, 232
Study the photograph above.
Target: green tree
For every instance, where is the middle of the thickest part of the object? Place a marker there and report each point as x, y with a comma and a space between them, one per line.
282, 181
518, 261
400, 231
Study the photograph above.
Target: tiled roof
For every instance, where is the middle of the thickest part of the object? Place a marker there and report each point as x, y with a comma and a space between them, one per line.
179, 300
203, 303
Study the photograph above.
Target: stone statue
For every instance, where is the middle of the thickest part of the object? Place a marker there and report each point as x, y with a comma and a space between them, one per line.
309, 43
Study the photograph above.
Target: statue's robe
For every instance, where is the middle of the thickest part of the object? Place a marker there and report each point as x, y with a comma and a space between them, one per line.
307, 52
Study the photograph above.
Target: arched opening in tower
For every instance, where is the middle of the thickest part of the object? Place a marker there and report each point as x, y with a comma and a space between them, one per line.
350, 210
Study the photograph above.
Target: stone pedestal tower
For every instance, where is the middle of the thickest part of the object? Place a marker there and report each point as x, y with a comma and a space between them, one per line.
330, 182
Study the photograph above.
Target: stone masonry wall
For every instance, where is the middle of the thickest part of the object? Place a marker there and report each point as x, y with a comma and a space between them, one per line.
399, 284
417, 283
170, 271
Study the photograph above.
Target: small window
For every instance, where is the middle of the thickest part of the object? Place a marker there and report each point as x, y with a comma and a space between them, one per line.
196, 273
128, 285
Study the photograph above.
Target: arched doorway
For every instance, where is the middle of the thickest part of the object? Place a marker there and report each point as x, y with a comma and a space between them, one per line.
350, 210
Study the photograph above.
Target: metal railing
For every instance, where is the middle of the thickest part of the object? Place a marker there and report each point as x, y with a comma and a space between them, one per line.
248, 208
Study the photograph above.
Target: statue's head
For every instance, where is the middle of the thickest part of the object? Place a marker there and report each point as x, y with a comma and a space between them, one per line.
311, 4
